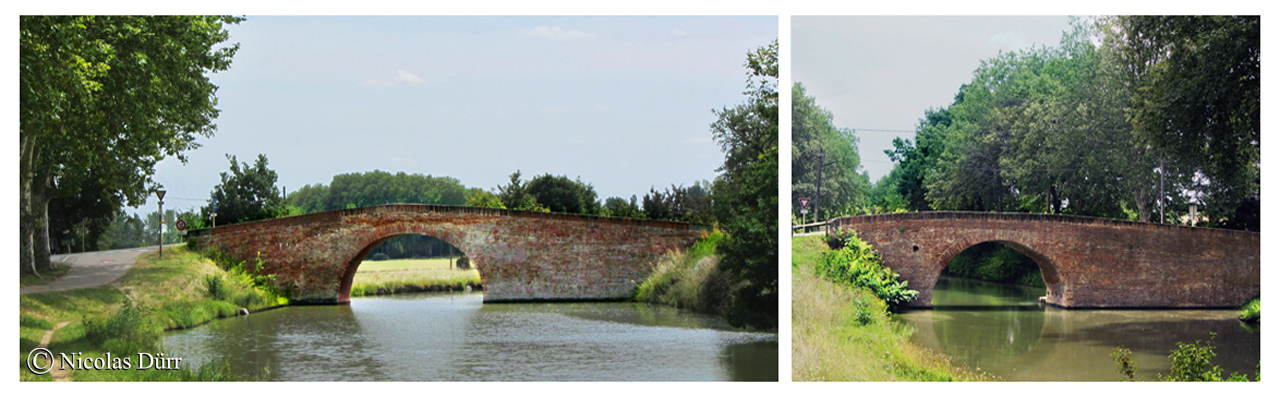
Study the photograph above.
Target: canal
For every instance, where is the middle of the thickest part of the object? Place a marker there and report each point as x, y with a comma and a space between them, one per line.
999, 329
454, 337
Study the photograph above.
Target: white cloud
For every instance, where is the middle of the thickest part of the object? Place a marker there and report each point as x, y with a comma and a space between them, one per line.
679, 32
401, 77
557, 34
406, 77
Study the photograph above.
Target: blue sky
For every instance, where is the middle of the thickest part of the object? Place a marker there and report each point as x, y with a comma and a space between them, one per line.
625, 103
878, 72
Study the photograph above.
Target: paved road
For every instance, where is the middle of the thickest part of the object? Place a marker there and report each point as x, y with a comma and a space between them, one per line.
91, 269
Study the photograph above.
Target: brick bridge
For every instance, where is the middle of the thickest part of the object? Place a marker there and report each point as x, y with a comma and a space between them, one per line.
1086, 262
521, 256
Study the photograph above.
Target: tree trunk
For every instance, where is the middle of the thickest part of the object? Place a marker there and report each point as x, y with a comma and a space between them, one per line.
26, 220
40, 211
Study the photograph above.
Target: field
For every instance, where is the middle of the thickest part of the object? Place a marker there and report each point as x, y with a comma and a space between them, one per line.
411, 275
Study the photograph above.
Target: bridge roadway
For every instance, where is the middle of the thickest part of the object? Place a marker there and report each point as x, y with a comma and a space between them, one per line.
521, 255
1086, 262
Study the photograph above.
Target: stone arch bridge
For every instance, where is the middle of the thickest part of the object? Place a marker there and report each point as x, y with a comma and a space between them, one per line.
521, 256
1086, 262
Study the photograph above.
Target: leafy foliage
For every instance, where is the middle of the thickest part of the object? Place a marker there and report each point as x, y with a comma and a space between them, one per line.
857, 264
678, 203
746, 194
247, 193
1190, 362
814, 137
377, 187
995, 262
561, 194
128, 330
1252, 311
102, 100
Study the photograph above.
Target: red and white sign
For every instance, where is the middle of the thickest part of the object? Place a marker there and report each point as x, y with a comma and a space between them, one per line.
182, 225
160, 194
804, 203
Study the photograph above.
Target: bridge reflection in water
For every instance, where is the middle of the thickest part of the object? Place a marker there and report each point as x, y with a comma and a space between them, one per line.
999, 329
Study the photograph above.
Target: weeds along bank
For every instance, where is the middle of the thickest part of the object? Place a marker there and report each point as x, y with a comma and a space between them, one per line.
691, 279
130, 316
840, 322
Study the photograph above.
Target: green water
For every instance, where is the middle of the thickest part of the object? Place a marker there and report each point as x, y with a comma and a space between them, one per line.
435, 337
1000, 330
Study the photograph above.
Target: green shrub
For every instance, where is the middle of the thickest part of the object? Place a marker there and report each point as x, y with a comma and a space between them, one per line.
217, 286
1191, 362
1252, 311
858, 265
838, 238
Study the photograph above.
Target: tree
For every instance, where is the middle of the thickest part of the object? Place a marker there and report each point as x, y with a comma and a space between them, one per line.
1196, 98
619, 208
812, 132
746, 193
477, 197
247, 193
561, 194
104, 98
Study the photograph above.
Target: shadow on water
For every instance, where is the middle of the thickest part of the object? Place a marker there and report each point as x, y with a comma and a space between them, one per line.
1000, 330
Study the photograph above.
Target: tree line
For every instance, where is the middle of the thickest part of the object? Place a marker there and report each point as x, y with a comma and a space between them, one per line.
1128, 117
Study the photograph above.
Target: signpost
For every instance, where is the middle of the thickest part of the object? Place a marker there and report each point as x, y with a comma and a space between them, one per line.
804, 208
182, 227
160, 194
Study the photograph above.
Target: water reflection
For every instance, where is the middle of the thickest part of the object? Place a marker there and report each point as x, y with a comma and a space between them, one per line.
1000, 330
457, 338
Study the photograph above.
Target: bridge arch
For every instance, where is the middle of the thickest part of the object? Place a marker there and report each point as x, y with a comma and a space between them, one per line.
1087, 262
522, 256
353, 264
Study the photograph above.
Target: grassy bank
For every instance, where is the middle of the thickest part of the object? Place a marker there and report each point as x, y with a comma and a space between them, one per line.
130, 315
690, 279
411, 275
845, 334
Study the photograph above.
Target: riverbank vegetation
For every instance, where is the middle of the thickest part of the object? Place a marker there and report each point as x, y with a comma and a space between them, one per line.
845, 333
1190, 362
995, 262
691, 279
1252, 311
412, 275
130, 315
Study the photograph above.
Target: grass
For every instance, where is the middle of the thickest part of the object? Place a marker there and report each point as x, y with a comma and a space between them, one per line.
131, 314
411, 275
844, 334
690, 279
46, 276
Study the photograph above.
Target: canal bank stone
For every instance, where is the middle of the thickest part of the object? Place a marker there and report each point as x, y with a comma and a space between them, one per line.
520, 255
1086, 262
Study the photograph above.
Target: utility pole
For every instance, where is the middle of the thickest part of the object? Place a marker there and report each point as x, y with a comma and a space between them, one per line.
1162, 190
817, 199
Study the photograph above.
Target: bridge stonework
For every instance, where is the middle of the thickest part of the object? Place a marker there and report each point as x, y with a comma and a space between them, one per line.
521, 256
1086, 262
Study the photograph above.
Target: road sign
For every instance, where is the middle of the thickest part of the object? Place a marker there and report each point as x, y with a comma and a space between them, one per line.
182, 225
160, 194
804, 202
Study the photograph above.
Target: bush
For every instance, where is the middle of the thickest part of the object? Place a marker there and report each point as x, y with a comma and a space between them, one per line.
218, 286
1252, 311
837, 239
858, 265
1192, 362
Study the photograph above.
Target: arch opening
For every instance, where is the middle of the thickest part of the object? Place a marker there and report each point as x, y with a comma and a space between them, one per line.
1002, 262
408, 262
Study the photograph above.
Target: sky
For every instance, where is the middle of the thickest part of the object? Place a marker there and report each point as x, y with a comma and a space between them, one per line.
624, 103
882, 73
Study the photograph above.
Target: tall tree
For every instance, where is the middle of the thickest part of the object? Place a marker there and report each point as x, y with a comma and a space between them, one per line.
1196, 98
747, 191
105, 98
247, 193
813, 133
561, 194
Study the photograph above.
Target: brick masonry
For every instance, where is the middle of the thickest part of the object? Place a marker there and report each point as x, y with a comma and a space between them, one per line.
521, 256
1086, 262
